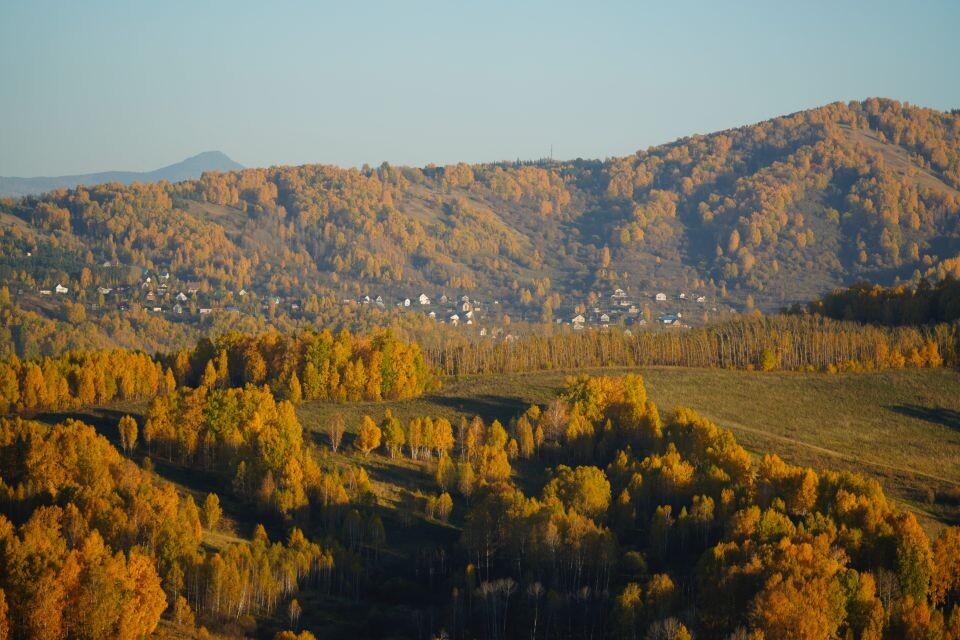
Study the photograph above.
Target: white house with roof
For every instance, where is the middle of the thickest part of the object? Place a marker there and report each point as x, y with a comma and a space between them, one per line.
661, 297
424, 299
578, 319
455, 319
604, 318
701, 299
61, 289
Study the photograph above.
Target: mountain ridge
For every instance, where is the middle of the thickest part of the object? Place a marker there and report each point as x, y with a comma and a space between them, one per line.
187, 169
762, 216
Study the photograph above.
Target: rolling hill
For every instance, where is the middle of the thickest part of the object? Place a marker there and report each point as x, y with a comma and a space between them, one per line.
767, 215
188, 169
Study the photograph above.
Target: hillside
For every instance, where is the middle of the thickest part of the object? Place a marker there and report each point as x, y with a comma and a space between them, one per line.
767, 215
191, 168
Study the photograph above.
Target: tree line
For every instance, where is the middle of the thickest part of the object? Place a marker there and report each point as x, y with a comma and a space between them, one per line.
810, 343
304, 366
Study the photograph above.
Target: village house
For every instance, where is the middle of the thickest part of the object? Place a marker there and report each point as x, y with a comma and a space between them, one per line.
242, 292
443, 299
466, 306
683, 296
406, 302
104, 291
701, 299
61, 289
661, 297
424, 300
181, 297
578, 319
604, 318
205, 311
178, 308
432, 315
193, 287
454, 319
46, 292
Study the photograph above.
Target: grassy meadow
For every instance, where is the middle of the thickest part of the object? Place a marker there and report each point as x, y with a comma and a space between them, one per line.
901, 427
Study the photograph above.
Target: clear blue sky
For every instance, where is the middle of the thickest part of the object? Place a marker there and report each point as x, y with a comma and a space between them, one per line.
91, 86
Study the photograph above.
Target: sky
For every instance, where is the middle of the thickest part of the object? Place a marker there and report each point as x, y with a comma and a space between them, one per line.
135, 85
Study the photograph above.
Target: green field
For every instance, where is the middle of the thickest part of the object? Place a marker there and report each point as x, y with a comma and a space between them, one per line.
901, 427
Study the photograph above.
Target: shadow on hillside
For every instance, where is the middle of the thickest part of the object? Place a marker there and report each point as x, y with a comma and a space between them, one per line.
105, 421
488, 407
938, 415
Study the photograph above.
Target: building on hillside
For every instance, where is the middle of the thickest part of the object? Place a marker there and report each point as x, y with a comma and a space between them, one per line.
661, 297
604, 318
424, 299
61, 289
578, 319
454, 319
701, 299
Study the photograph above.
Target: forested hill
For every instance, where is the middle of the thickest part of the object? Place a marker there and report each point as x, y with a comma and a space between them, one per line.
776, 212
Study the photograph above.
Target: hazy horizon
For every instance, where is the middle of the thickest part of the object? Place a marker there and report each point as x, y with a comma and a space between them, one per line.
292, 83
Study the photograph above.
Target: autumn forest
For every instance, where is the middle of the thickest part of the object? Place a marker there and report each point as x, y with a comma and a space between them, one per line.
306, 402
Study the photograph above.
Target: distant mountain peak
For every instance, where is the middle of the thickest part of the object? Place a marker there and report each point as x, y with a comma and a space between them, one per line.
188, 169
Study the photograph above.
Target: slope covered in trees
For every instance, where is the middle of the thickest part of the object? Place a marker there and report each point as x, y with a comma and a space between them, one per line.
780, 211
902, 305
593, 515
